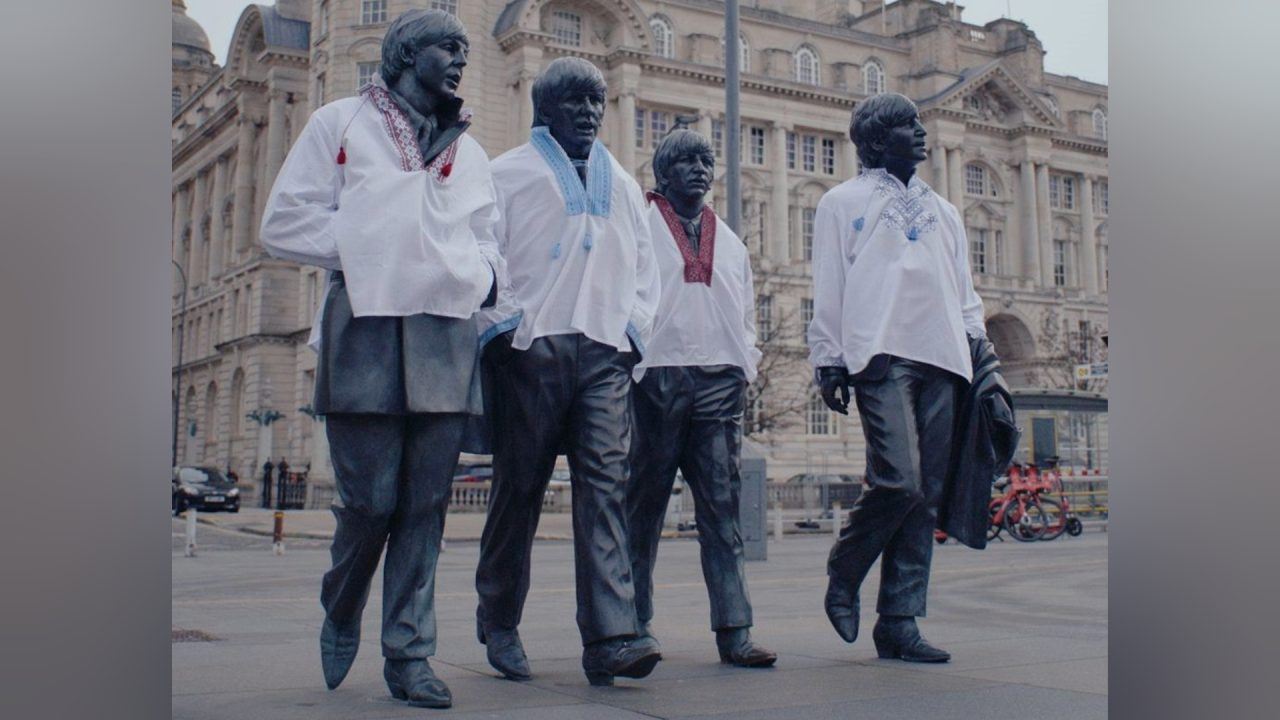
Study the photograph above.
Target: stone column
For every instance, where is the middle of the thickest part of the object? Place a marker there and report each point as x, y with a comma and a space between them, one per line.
955, 177
1044, 222
196, 269
277, 143
779, 245
704, 129
181, 215
217, 233
848, 159
243, 217
627, 132
1029, 224
940, 177
1088, 241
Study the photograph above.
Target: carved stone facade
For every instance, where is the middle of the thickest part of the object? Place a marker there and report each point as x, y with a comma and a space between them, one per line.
1021, 151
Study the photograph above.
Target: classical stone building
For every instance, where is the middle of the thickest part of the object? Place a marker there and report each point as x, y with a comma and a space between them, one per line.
1021, 151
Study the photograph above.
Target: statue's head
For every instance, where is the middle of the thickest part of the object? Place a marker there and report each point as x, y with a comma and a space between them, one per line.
684, 165
431, 45
887, 131
568, 98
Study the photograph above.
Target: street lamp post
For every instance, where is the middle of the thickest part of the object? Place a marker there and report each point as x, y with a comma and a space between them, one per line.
177, 378
732, 116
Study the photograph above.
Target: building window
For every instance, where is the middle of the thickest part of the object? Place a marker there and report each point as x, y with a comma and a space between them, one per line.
1059, 263
744, 54
818, 418
873, 78
978, 251
791, 150
664, 41
659, 122
977, 35
640, 113
756, 134
764, 316
997, 253
177, 99
717, 137
373, 11
449, 6
1101, 203
366, 72
566, 27
806, 232
828, 156
1100, 123
806, 311
754, 415
975, 180
324, 18
762, 222
808, 70
808, 152
1062, 192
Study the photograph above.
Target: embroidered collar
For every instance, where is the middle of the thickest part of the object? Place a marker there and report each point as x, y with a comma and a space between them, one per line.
906, 209
697, 267
596, 197
405, 137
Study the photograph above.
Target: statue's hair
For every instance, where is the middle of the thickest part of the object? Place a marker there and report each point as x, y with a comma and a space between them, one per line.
414, 30
872, 120
677, 143
566, 76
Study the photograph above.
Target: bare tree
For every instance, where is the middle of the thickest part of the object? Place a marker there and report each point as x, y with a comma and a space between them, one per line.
777, 400
1061, 349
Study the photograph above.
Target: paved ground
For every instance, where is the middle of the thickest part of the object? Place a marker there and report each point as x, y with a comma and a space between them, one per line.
1027, 624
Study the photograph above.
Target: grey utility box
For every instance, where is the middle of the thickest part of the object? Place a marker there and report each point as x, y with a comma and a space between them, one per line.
753, 503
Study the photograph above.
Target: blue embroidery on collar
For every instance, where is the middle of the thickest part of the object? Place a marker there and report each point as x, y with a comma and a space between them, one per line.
596, 198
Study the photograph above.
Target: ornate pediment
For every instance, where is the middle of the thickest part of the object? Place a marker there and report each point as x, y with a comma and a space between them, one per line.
991, 95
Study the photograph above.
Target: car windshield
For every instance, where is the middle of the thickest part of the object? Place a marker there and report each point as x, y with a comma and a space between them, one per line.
197, 476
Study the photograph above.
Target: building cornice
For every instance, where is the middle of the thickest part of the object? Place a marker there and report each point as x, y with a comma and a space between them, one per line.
799, 24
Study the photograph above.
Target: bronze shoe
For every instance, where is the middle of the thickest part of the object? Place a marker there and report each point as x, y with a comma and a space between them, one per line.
415, 682
736, 648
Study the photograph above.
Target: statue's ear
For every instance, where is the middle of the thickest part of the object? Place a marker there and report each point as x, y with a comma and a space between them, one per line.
406, 54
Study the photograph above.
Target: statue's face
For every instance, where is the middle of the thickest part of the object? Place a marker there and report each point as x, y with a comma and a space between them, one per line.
905, 143
438, 67
574, 121
690, 174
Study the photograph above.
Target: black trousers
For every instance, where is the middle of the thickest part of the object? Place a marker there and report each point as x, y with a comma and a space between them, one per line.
393, 475
570, 392
690, 418
908, 419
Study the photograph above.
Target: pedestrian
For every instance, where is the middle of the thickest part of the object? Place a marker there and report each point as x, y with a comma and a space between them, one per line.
267, 467
388, 191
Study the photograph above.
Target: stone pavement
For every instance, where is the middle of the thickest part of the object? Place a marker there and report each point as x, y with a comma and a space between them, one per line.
319, 524
1026, 623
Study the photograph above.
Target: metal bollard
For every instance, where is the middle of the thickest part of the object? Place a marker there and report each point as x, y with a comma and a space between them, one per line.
777, 521
191, 532
277, 533
835, 520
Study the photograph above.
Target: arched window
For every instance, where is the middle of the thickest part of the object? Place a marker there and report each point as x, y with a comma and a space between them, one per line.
449, 6
1100, 123
566, 27
979, 181
237, 403
808, 69
210, 416
664, 38
873, 78
744, 53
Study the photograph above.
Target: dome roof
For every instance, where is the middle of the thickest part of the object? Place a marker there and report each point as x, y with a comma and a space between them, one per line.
187, 31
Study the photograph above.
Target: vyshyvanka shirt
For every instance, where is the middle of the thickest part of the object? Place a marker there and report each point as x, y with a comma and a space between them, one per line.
891, 275
580, 254
707, 312
410, 237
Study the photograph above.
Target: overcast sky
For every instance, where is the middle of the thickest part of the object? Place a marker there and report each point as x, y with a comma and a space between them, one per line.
1074, 33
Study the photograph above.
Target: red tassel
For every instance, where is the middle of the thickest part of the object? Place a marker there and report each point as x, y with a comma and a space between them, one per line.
342, 155
444, 171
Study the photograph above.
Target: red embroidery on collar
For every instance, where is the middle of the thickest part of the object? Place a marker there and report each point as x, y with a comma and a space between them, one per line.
697, 268
406, 141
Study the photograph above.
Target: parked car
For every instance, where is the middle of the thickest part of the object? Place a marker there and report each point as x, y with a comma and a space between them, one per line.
203, 488
473, 473
823, 478
559, 478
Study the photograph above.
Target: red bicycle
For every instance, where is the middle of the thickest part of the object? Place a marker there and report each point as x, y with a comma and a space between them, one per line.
1018, 510
1058, 512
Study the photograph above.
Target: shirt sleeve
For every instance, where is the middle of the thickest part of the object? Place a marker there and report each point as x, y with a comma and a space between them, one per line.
970, 303
648, 282
490, 226
749, 337
829, 269
297, 221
